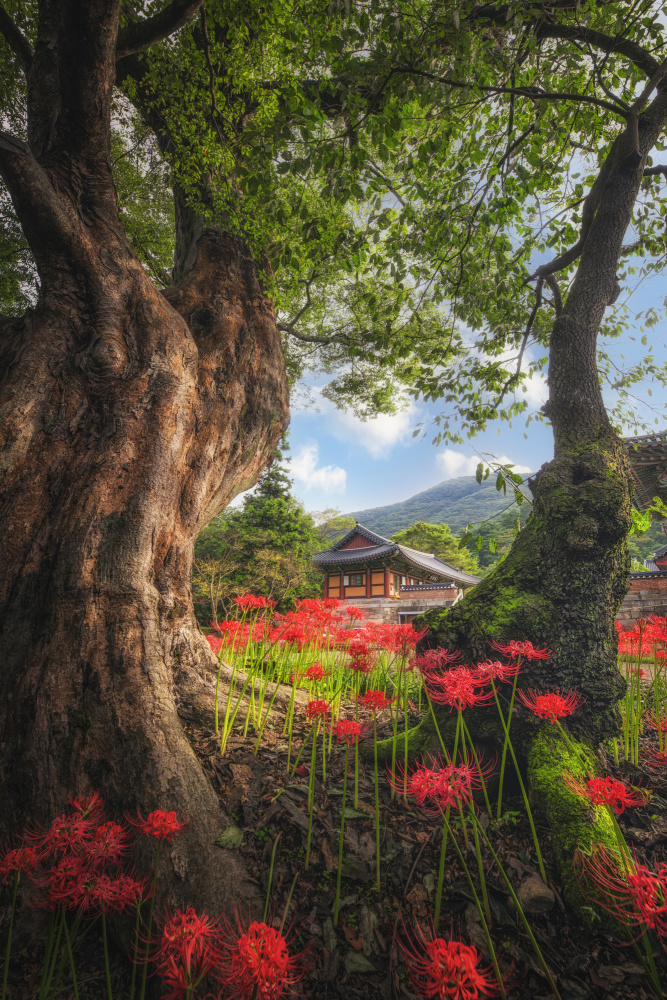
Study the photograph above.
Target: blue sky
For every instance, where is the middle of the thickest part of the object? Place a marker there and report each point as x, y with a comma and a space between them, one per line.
343, 462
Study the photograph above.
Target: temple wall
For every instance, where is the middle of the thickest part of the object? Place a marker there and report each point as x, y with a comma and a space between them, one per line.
647, 596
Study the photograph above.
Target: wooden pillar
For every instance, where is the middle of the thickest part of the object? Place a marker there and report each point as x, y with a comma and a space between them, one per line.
369, 575
326, 586
387, 582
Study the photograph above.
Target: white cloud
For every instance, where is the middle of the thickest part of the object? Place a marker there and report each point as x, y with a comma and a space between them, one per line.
303, 466
377, 436
455, 463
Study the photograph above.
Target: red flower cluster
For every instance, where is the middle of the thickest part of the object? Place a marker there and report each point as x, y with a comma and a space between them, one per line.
448, 970
522, 649
189, 950
606, 792
255, 962
630, 891
19, 861
377, 701
160, 825
436, 788
347, 731
494, 670
551, 705
250, 601
457, 688
647, 637
75, 863
317, 708
315, 673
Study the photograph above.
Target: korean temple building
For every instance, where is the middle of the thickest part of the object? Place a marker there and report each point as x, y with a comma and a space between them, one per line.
388, 581
648, 590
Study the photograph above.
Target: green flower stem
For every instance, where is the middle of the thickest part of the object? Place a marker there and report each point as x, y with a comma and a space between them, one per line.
356, 760
8, 947
53, 958
441, 870
105, 945
135, 949
522, 915
268, 888
311, 793
523, 792
144, 971
437, 728
506, 743
405, 742
480, 869
70, 956
480, 910
377, 801
479, 769
266, 719
341, 840
228, 728
303, 747
217, 685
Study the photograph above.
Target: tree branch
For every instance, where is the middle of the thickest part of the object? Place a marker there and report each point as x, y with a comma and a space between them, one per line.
322, 341
642, 59
652, 171
16, 40
140, 35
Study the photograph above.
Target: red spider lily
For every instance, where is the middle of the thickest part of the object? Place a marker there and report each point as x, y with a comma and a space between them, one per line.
435, 659
20, 860
552, 705
347, 731
457, 688
435, 788
65, 833
448, 970
630, 891
61, 883
315, 673
256, 962
108, 844
160, 824
361, 663
377, 701
189, 949
636, 671
494, 670
523, 648
249, 601
352, 612
606, 792
655, 758
660, 725
317, 708
89, 805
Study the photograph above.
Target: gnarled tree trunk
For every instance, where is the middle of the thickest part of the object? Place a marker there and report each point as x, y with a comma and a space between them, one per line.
567, 572
128, 419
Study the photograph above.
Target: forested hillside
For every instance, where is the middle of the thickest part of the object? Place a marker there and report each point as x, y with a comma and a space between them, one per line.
456, 502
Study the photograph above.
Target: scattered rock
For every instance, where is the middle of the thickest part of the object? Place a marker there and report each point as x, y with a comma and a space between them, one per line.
535, 896
356, 961
474, 927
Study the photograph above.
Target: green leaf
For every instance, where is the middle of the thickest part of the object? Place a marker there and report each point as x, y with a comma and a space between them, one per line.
230, 839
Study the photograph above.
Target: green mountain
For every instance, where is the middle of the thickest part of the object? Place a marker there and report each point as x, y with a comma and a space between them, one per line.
456, 502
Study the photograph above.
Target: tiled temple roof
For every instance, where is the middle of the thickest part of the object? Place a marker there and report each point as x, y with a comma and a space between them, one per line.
384, 548
648, 459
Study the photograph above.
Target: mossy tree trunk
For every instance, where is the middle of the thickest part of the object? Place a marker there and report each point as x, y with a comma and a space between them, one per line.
567, 572
129, 417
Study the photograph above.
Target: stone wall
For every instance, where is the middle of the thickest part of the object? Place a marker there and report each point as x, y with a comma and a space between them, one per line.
647, 596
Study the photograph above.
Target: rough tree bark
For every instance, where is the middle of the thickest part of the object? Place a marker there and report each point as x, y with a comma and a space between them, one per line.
128, 419
563, 580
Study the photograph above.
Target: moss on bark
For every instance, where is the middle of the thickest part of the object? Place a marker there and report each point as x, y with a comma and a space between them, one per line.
574, 822
560, 585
